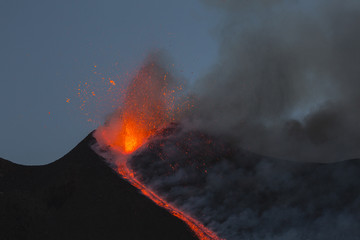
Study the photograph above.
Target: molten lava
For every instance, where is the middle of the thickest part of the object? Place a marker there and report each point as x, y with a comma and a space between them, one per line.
148, 106
202, 232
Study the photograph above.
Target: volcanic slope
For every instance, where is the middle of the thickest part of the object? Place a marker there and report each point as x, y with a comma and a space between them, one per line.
243, 195
79, 197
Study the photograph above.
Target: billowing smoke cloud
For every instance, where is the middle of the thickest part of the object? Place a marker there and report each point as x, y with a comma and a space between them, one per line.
241, 195
287, 80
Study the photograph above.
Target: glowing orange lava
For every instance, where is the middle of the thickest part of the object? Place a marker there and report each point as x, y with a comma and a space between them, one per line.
149, 105
202, 232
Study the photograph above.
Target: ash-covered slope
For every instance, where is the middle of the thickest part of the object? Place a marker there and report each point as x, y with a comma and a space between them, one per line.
78, 197
242, 195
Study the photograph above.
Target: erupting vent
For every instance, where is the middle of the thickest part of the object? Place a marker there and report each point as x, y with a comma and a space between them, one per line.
150, 104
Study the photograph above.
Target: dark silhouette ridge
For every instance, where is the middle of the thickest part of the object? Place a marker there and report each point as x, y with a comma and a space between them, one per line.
79, 197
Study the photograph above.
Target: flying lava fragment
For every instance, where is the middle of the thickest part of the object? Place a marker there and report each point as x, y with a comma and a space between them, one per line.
145, 110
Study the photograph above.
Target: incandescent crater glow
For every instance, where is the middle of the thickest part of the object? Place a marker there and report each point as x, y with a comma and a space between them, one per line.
150, 104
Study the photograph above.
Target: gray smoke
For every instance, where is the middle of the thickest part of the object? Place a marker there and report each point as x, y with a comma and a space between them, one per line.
286, 85
287, 81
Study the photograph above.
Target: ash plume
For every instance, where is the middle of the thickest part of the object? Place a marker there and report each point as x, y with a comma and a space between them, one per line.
286, 83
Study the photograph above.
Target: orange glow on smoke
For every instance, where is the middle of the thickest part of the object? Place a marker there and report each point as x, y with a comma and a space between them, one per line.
148, 106
131, 137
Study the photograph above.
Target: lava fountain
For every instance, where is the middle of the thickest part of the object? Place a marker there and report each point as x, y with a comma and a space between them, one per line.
150, 104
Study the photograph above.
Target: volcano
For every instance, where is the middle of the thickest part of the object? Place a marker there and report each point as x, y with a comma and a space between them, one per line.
79, 197
235, 193
148, 173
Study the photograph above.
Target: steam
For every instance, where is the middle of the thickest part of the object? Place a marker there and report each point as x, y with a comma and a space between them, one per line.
287, 80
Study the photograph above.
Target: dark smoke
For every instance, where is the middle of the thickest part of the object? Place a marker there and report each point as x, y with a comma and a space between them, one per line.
287, 80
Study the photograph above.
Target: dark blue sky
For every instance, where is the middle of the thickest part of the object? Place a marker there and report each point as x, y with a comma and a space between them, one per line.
49, 47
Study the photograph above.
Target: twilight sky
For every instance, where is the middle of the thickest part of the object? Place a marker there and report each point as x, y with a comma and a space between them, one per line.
49, 47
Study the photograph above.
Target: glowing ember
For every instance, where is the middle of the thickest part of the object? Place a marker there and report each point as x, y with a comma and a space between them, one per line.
149, 105
145, 109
